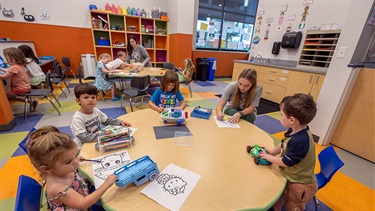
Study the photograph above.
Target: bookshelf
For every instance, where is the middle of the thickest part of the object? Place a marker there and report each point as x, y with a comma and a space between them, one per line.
110, 33
319, 47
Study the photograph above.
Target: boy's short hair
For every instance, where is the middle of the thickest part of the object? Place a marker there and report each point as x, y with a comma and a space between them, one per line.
121, 53
85, 88
300, 106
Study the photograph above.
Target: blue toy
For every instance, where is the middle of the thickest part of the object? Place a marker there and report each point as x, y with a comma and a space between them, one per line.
2, 64
139, 171
173, 115
255, 151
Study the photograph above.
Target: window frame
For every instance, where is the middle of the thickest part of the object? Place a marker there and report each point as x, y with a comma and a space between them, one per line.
223, 11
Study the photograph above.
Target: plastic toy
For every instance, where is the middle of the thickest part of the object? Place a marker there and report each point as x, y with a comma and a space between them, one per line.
138, 171
255, 151
173, 115
200, 112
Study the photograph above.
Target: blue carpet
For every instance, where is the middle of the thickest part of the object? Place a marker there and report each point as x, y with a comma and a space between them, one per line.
113, 112
19, 151
25, 125
72, 85
269, 124
204, 83
67, 130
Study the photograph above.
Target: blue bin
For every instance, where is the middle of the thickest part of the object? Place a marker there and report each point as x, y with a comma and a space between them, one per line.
211, 71
103, 42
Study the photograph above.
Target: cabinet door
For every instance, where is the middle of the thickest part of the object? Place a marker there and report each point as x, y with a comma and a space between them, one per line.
239, 67
318, 82
272, 93
300, 82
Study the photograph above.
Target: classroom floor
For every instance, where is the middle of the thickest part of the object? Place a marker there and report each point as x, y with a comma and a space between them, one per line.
351, 188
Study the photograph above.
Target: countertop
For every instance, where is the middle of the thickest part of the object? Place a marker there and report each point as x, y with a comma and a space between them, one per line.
290, 65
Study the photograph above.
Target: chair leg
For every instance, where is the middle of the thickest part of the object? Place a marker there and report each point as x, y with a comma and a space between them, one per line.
101, 95
131, 105
53, 105
56, 99
122, 99
62, 90
191, 93
73, 74
25, 110
66, 86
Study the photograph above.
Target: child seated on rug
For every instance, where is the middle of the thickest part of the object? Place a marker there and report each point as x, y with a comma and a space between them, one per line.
87, 120
295, 155
119, 62
167, 95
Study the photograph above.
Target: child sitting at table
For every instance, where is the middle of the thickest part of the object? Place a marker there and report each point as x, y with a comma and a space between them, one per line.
19, 80
87, 120
101, 82
37, 75
297, 152
187, 73
119, 62
66, 188
168, 93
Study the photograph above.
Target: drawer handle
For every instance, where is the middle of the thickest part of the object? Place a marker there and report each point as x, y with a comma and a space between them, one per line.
311, 77
273, 71
317, 80
268, 92
271, 80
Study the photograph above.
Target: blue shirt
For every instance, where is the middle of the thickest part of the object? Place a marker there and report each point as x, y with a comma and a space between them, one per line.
166, 99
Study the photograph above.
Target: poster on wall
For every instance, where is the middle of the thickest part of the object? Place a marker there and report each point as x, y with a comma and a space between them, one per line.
306, 2
7, 13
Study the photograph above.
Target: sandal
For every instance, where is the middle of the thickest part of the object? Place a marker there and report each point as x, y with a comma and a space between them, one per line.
115, 99
35, 105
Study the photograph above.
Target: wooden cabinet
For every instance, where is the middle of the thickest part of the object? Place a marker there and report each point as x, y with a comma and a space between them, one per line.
239, 67
274, 82
319, 47
110, 33
303, 82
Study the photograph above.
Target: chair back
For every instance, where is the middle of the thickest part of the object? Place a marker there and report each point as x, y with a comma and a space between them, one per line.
330, 163
54, 65
29, 194
48, 81
140, 83
59, 71
168, 66
66, 61
80, 75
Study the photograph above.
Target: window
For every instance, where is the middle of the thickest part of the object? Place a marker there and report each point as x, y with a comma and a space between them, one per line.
225, 24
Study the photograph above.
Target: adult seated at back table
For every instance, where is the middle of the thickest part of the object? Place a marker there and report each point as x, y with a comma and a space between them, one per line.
137, 53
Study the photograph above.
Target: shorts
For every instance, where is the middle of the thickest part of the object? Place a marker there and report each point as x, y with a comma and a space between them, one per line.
296, 195
20, 91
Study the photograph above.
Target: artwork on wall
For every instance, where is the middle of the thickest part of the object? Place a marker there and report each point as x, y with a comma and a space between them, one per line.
256, 40
269, 20
281, 18
267, 32
28, 18
7, 13
292, 17
283, 8
257, 30
305, 13
44, 14
306, 2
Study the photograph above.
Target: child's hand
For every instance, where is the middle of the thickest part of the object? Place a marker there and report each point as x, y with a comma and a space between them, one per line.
220, 116
107, 132
265, 155
126, 124
160, 109
111, 179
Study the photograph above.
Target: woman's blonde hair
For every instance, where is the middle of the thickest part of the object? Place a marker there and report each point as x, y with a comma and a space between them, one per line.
251, 76
46, 145
14, 56
104, 55
170, 76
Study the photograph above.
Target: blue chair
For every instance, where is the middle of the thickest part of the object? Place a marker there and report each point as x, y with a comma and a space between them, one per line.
330, 163
29, 194
22, 144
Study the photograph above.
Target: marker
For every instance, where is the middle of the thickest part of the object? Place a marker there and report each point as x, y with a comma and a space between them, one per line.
97, 161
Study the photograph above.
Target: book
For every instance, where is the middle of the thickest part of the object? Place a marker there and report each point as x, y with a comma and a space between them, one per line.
203, 113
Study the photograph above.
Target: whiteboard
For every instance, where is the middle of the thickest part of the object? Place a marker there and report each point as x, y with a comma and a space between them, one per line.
16, 43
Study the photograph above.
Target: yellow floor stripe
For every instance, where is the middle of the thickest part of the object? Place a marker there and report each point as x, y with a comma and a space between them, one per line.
10, 173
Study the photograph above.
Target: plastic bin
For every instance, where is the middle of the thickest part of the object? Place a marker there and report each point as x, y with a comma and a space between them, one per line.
103, 42
211, 69
202, 68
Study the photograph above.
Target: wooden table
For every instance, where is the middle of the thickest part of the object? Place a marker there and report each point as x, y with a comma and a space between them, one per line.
152, 71
229, 178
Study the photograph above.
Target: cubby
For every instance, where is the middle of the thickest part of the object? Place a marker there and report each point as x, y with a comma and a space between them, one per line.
110, 33
319, 47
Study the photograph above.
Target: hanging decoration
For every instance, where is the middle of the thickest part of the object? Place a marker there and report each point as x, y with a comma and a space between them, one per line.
281, 18
7, 13
267, 32
28, 18
305, 13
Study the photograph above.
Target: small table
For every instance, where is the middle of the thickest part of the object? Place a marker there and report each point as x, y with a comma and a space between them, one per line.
229, 178
126, 73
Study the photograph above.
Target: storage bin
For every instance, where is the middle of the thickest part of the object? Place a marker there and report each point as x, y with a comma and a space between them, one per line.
103, 42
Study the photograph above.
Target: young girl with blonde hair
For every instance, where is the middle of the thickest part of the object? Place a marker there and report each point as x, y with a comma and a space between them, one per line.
66, 188
168, 94
187, 73
101, 81
240, 98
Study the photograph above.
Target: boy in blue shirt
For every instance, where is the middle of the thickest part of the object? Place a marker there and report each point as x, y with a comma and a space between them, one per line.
168, 93
297, 152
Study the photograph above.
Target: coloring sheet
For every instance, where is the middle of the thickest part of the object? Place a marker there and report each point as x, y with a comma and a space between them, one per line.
107, 165
224, 123
172, 187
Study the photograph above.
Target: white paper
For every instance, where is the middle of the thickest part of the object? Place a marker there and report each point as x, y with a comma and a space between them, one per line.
107, 165
211, 30
172, 187
225, 123
201, 35
200, 42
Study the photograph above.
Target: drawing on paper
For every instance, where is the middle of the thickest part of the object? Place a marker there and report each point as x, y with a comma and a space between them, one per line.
109, 163
172, 184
